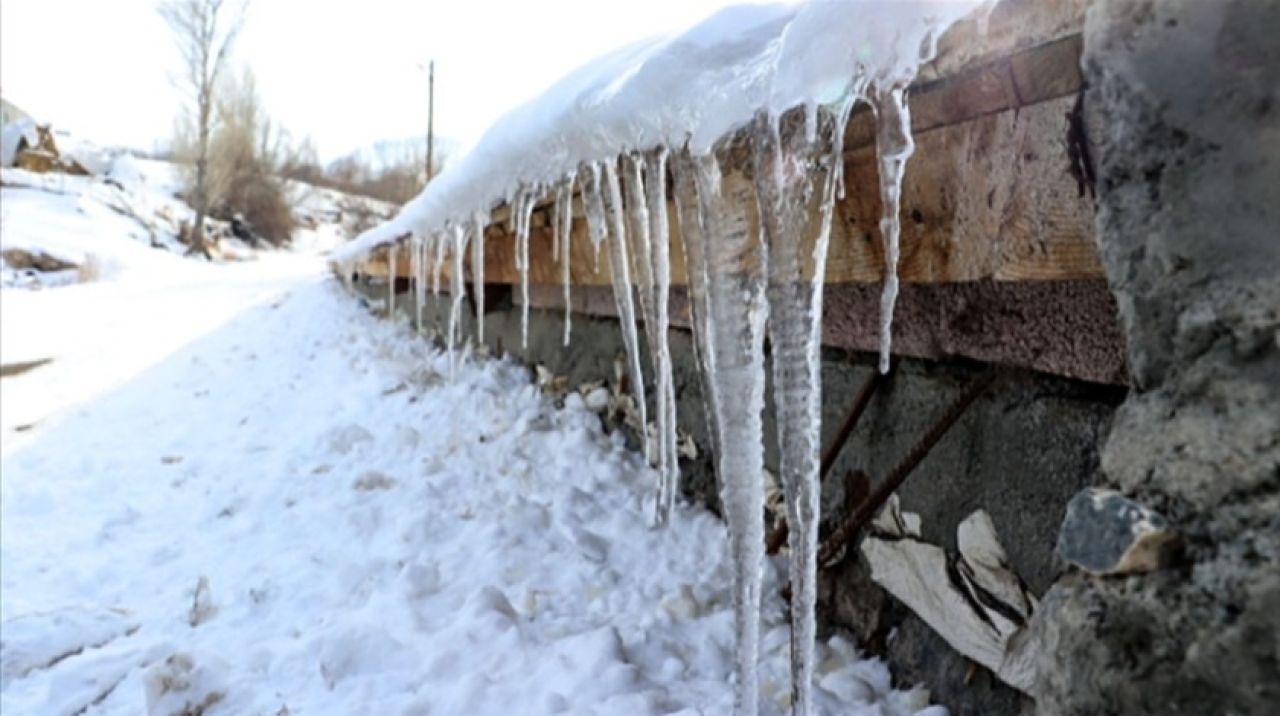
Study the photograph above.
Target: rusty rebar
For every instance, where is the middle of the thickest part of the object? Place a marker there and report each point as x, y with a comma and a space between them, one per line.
779, 534
858, 518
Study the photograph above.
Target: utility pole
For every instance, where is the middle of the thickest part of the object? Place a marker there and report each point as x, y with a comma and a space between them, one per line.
431, 112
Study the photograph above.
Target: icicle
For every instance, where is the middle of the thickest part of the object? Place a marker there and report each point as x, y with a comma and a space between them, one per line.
522, 214
391, 282
441, 246
660, 236
735, 265
477, 270
424, 263
636, 215
623, 294
457, 283
593, 206
795, 186
564, 220
894, 146
650, 232
415, 266
689, 217
555, 226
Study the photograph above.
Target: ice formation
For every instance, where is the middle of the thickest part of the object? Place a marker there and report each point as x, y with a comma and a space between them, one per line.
391, 281
522, 215
564, 230
746, 114
478, 221
456, 294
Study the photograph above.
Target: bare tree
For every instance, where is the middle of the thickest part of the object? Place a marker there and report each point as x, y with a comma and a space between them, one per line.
205, 30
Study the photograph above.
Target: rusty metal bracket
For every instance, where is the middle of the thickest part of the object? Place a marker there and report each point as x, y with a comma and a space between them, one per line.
779, 534
857, 519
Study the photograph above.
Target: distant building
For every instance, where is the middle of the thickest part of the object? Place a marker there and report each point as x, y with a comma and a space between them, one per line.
9, 112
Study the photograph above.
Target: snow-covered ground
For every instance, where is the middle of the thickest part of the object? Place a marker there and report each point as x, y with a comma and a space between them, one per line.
231, 482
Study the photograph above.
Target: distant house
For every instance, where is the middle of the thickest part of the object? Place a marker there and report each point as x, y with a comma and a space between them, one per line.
10, 112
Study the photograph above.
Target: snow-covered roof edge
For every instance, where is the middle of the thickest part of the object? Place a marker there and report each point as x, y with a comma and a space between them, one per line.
693, 88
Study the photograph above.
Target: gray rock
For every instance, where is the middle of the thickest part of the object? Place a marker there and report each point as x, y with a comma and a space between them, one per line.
1106, 533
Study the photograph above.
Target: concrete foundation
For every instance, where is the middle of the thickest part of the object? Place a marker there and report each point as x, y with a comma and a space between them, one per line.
1020, 453
1185, 121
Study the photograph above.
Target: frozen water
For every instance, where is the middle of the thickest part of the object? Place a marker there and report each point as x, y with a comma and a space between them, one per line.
894, 146
620, 273
734, 259
477, 270
795, 178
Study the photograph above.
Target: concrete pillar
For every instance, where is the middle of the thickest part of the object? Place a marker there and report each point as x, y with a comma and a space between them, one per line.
1183, 102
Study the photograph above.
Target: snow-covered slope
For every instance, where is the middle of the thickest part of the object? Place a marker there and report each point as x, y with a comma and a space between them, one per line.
110, 223
281, 509
84, 220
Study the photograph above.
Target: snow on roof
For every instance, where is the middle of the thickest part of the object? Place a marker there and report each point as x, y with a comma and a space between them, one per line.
693, 88
12, 135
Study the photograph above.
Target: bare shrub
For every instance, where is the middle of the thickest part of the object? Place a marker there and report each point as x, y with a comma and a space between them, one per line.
245, 152
205, 31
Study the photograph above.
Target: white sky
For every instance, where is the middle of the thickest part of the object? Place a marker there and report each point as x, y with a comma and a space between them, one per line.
344, 72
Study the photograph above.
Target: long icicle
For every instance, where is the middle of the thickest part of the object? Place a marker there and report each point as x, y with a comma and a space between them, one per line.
894, 146
391, 281
795, 184
477, 270
636, 215
426, 267
457, 293
623, 294
523, 209
689, 217
735, 265
644, 250
660, 236
564, 219
415, 255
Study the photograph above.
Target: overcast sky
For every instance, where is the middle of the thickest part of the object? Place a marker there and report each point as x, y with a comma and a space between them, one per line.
344, 72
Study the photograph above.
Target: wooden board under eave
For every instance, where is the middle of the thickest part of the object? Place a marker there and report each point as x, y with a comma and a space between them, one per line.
991, 198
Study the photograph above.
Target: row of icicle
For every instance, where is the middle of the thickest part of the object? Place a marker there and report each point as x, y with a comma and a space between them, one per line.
741, 283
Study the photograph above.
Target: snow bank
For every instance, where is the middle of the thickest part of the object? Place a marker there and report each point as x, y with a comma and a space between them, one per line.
691, 88
80, 219
367, 545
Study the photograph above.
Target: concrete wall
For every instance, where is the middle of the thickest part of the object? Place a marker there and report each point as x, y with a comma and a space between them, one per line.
1184, 98
1020, 453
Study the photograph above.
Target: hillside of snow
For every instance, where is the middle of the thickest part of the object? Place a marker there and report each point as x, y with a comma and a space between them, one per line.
103, 225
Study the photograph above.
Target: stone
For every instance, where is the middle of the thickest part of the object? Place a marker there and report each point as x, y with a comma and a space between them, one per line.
1105, 533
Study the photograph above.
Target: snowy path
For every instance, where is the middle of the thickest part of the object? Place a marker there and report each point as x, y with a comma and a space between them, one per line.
370, 537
